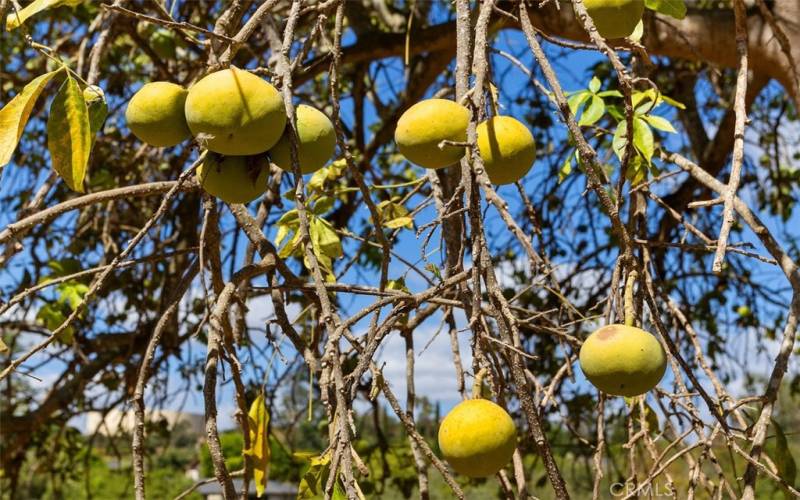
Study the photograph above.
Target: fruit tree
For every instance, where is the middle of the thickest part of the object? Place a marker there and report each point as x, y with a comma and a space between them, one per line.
434, 249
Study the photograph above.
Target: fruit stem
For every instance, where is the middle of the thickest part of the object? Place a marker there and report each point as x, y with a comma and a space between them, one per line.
630, 310
477, 385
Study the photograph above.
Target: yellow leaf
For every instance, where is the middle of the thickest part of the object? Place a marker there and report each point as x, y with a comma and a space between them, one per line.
3, 346
259, 453
69, 137
14, 115
312, 484
406, 222
15, 19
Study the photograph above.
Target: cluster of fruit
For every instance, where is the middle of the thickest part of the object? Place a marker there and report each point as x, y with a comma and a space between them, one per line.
478, 437
432, 134
238, 117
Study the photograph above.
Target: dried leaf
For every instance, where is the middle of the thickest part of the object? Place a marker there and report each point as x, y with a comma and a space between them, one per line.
259, 452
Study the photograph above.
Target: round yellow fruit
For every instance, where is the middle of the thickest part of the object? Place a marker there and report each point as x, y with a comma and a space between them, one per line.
623, 360
155, 114
477, 438
234, 179
316, 142
233, 112
507, 149
425, 125
615, 18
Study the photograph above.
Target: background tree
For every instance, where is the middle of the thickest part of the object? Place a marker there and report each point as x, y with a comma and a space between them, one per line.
117, 268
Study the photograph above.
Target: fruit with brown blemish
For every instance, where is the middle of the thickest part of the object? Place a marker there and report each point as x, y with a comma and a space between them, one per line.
234, 179
623, 360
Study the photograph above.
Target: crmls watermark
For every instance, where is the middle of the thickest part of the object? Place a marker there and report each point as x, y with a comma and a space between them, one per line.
647, 490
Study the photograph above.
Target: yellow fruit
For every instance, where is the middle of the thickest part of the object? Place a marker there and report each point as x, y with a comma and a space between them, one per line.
426, 124
615, 18
316, 142
155, 114
477, 438
234, 179
507, 149
233, 112
623, 360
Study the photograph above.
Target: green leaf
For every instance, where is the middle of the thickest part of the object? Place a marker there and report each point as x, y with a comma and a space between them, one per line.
68, 134
62, 267
317, 181
636, 171
98, 108
659, 123
325, 239
398, 284
643, 139
312, 484
259, 452
616, 112
576, 101
650, 418
16, 19
620, 141
287, 224
323, 205
593, 112
394, 215
594, 84
52, 316
406, 222
610, 93
672, 102
14, 115
672, 8
291, 247
338, 492
643, 97
566, 169
71, 293
283, 232
433, 268
784, 461
291, 217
